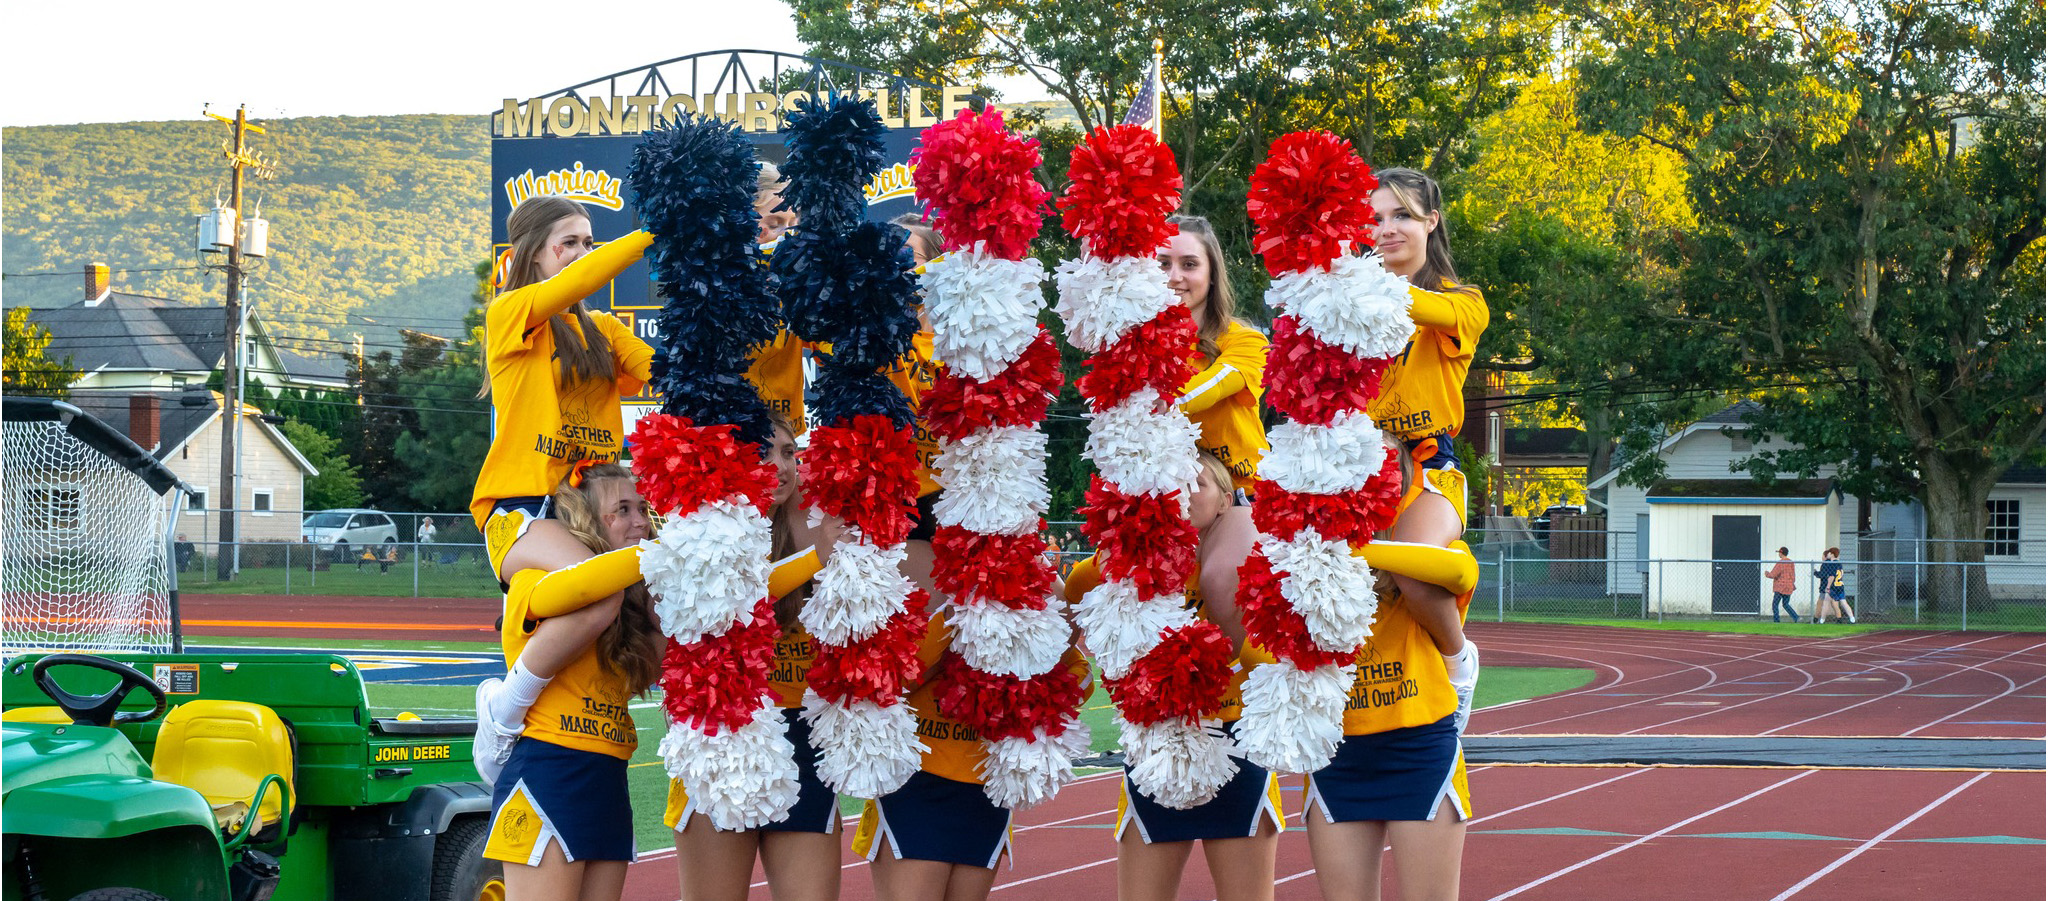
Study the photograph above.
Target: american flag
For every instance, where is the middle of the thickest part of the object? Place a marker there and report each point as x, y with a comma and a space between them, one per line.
1145, 109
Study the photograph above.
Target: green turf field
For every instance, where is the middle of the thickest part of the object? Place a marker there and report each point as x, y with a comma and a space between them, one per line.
649, 785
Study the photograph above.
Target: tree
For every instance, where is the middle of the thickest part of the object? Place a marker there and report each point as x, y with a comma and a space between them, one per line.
338, 484
1867, 177
27, 366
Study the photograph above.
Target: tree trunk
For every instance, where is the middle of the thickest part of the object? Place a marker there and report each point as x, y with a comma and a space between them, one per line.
1954, 500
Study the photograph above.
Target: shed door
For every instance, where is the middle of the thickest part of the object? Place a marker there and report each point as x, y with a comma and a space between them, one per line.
1738, 564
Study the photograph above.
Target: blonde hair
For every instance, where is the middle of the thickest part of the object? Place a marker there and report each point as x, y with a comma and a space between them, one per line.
1220, 471
782, 541
1421, 196
1219, 308
630, 648
584, 353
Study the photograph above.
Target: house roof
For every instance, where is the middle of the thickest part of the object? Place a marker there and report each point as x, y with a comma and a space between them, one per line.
1741, 489
1730, 417
181, 416
1734, 414
134, 331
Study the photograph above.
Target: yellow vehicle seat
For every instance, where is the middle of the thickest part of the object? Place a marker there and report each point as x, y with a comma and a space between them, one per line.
54, 716
224, 750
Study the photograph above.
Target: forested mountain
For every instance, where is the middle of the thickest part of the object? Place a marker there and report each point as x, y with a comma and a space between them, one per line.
381, 217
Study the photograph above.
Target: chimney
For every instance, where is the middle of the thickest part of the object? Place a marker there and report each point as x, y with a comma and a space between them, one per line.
145, 422
95, 283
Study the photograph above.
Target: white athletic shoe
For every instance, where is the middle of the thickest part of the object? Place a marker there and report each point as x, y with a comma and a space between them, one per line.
1465, 687
493, 747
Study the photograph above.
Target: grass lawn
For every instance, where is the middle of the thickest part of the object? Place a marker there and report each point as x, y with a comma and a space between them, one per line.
649, 784
462, 579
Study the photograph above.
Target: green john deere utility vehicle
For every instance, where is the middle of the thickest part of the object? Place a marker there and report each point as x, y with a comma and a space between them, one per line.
137, 772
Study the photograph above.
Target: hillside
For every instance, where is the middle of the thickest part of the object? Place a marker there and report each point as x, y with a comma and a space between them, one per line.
380, 217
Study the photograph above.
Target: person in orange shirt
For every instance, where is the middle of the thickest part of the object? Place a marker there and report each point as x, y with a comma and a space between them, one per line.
799, 853
1239, 829
1229, 355
555, 373
1422, 400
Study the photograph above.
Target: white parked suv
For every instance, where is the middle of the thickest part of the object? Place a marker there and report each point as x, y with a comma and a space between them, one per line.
340, 531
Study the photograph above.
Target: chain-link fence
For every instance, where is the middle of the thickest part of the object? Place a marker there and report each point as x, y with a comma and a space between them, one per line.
1554, 574
1885, 580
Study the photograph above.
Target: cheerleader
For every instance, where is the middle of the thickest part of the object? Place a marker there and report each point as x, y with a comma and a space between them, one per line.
555, 372
1398, 778
1240, 828
799, 853
1229, 355
561, 819
1422, 401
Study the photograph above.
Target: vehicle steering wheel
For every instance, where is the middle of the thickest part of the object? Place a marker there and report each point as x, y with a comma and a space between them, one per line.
99, 710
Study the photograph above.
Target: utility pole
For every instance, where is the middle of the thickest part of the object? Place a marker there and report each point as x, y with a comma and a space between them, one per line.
231, 386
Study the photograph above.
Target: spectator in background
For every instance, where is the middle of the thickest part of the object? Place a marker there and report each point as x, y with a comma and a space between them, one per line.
1783, 582
185, 552
1833, 598
426, 533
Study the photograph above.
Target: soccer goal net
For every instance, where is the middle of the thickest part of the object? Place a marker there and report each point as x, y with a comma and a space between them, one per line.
85, 562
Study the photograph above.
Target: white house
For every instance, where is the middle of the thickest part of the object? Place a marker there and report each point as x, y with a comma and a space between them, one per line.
1676, 520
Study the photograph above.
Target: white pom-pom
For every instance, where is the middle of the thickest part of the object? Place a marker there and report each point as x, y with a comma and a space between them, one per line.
1357, 305
994, 481
983, 309
707, 569
743, 779
864, 750
1330, 588
1176, 764
1119, 628
1293, 719
1332, 459
1023, 772
1016, 643
1143, 446
860, 587
1100, 300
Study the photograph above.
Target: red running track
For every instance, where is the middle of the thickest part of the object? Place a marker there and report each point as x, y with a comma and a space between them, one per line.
1577, 832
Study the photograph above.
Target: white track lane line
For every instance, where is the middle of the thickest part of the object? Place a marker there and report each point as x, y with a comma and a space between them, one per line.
1839, 861
2016, 687
1661, 832
1910, 683
1311, 871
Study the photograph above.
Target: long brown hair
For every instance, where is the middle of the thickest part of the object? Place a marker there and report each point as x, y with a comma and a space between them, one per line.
1420, 196
1219, 308
782, 541
631, 647
584, 357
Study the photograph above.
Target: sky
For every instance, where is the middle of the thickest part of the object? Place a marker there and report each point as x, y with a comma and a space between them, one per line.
73, 61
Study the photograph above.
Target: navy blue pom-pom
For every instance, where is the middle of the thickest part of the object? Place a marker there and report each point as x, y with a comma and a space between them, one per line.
835, 147
845, 390
854, 291
693, 187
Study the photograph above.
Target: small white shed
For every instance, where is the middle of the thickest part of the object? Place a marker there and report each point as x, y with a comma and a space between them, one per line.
1712, 539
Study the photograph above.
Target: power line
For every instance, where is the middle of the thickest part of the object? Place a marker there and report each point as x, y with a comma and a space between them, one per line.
78, 273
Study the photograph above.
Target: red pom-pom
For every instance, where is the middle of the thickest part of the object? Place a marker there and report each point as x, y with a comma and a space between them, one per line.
682, 466
1352, 516
973, 567
1182, 679
979, 182
1272, 623
1155, 354
715, 685
1143, 538
1312, 381
1121, 185
877, 667
864, 472
1310, 196
957, 406
999, 706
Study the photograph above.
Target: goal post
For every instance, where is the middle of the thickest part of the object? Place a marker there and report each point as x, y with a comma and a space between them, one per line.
85, 555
